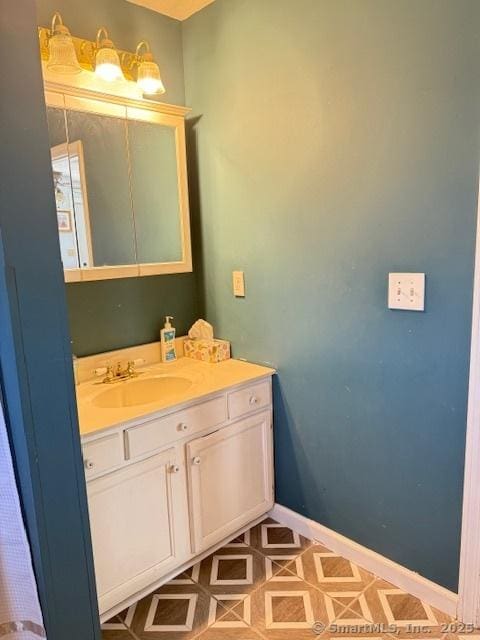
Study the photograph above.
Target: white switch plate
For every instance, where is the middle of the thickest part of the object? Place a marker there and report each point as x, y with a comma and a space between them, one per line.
406, 291
238, 284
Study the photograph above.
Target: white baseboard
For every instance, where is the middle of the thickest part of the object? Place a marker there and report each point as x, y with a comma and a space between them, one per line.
403, 578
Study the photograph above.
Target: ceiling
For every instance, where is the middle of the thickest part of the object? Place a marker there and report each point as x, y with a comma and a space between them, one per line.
178, 9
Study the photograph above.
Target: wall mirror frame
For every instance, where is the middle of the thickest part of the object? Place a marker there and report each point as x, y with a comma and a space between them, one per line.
79, 100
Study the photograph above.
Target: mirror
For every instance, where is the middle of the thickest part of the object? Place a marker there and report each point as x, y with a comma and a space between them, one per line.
120, 189
63, 189
155, 191
99, 144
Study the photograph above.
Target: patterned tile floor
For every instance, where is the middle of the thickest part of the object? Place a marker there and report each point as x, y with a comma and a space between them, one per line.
273, 584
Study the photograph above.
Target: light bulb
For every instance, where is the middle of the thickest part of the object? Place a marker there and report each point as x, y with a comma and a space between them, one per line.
107, 61
148, 78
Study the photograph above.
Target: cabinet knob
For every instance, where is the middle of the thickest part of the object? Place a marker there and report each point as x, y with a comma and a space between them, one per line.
88, 464
174, 468
196, 460
182, 427
253, 399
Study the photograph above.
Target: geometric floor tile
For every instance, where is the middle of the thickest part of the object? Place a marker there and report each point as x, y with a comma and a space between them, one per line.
410, 617
401, 609
117, 627
174, 611
330, 572
235, 570
271, 538
333, 568
243, 540
357, 612
114, 629
188, 576
241, 619
286, 610
231, 569
114, 624
171, 612
271, 583
291, 568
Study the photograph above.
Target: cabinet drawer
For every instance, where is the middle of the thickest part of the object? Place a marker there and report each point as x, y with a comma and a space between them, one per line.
154, 434
102, 454
255, 396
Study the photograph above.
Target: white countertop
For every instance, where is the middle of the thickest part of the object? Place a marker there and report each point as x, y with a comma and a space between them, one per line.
206, 379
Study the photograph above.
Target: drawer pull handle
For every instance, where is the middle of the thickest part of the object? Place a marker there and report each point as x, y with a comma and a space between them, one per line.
182, 427
174, 468
253, 400
196, 460
88, 464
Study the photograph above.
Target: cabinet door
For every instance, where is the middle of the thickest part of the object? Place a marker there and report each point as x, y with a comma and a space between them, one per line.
230, 479
138, 520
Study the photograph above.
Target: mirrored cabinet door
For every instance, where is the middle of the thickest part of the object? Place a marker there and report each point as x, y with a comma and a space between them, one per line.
155, 191
120, 187
98, 150
62, 184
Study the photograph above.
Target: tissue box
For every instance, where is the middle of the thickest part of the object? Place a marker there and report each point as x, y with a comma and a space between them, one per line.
207, 350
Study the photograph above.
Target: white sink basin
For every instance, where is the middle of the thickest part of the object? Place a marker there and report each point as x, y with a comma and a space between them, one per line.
141, 391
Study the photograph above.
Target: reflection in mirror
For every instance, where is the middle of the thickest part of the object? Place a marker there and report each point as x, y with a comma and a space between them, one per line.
67, 162
63, 188
98, 155
155, 195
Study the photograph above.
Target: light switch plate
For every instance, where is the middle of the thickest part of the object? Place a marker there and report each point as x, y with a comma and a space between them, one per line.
238, 284
406, 291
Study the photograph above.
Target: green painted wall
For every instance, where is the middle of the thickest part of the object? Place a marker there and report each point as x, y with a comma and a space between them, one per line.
335, 141
110, 314
118, 313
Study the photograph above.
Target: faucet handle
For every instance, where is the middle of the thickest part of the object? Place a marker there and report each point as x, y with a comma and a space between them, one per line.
105, 371
132, 364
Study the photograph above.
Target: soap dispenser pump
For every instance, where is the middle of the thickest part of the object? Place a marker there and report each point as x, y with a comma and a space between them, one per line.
167, 341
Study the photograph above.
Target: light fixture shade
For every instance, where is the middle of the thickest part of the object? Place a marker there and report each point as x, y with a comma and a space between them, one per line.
149, 79
62, 57
107, 64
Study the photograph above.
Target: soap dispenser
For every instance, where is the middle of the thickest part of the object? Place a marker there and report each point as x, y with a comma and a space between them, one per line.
167, 341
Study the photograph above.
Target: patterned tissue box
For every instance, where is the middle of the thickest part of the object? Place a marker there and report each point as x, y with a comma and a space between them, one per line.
207, 350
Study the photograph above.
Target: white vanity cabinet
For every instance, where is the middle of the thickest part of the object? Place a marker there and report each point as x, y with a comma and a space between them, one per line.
137, 522
172, 486
229, 479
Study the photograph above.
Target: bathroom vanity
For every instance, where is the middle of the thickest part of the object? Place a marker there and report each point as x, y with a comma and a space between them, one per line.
177, 461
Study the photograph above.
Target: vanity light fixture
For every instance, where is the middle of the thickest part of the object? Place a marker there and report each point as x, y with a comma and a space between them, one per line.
148, 72
107, 60
61, 50
63, 53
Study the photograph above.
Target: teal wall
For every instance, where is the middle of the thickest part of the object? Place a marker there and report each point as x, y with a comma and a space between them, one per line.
335, 141
110, 314
36, 378
113, 314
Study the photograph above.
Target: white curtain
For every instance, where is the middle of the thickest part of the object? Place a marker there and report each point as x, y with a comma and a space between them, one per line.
20, 613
